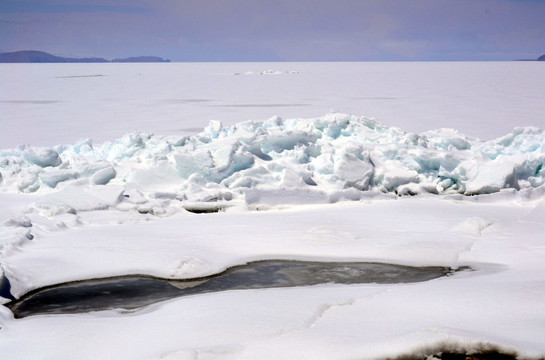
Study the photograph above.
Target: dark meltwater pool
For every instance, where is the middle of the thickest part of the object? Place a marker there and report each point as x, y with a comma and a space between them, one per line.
132, 292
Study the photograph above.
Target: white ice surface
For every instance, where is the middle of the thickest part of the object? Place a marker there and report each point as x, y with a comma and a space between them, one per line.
48, 104
113, 207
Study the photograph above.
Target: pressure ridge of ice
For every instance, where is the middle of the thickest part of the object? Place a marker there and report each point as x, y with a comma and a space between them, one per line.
326, 159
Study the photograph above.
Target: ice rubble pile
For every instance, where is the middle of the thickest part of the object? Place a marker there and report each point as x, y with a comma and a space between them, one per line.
330, 158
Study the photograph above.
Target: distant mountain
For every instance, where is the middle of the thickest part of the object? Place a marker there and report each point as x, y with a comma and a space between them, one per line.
541, 58
141, 59
32, 56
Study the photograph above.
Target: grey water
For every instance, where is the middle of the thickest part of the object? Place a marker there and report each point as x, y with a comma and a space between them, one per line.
133, 292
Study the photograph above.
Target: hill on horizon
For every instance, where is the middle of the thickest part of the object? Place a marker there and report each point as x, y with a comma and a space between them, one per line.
34, 56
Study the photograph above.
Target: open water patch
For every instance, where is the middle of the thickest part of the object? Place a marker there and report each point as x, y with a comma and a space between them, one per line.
132, 292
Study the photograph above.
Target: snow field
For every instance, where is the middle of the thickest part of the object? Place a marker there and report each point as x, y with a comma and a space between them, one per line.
499, 303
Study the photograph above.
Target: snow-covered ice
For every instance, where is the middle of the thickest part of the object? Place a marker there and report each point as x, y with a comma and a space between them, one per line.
61, 103
330, 185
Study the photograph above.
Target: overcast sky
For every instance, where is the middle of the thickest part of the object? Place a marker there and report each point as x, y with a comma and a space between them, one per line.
277, 30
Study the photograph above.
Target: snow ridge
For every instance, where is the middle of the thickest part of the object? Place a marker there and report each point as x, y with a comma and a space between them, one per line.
325, 159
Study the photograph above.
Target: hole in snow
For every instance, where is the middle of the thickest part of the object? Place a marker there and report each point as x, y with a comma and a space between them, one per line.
205, 207
132, 292
451, 350
5, 288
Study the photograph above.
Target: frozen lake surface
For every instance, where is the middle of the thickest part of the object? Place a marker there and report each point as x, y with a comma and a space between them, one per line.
182, 171
62, 103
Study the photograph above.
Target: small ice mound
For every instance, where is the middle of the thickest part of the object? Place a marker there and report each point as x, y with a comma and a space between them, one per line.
52, 177
357, 173
448, 139
277, 72
103, 176
188, 267
77, 198
42, 157
214, 127
19, 221
472, 226
267, 72
492, 176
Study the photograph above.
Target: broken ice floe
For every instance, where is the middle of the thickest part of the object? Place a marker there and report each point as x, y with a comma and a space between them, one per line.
326, 159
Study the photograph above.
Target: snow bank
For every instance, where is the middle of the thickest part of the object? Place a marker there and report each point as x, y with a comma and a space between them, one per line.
319, 158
